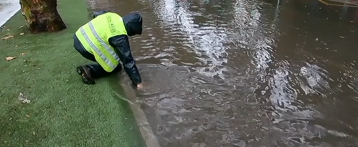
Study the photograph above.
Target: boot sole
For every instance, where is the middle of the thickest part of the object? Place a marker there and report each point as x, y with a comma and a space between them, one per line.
84, 75
79, 70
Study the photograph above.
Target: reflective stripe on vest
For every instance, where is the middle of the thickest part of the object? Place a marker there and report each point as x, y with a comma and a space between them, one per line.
97, 50
94, 37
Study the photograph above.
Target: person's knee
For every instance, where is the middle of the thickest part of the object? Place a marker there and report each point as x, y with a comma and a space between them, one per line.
77, 44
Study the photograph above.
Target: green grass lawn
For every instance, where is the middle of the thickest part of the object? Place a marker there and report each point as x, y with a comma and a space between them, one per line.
62, 110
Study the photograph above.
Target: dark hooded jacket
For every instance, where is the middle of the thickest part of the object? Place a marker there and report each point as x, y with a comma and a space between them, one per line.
133, 24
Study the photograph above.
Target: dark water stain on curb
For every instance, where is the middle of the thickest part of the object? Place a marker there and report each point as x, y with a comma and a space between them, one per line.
142, 122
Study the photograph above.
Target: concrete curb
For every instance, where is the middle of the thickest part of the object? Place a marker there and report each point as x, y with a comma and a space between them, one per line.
144, 127
10, 8
146, 131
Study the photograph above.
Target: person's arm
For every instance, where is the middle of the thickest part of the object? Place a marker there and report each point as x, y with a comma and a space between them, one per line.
97, 13
121, 44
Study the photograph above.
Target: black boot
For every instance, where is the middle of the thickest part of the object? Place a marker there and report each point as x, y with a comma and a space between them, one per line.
85, 72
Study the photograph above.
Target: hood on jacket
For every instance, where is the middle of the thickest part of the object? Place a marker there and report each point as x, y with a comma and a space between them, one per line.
133, 23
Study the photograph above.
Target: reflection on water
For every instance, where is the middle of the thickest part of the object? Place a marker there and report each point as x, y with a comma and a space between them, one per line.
205, 39
248, 73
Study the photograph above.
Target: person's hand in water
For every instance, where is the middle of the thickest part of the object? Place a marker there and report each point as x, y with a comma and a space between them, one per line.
140, 86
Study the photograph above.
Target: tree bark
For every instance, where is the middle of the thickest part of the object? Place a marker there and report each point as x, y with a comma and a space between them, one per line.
42, 15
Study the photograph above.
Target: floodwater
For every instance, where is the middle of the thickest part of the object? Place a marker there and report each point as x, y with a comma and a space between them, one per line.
254, 73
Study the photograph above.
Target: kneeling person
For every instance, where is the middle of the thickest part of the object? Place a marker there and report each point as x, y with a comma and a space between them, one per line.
105, 41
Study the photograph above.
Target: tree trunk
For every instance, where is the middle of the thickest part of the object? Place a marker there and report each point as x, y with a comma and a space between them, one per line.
42, 15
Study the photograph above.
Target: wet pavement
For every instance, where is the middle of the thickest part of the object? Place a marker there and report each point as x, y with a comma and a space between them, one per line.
239, 73
8, 8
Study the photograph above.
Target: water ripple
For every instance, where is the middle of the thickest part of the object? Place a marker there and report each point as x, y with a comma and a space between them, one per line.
247, 73
206, 41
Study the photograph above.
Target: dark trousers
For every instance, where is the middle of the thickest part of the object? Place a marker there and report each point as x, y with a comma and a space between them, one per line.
96, 70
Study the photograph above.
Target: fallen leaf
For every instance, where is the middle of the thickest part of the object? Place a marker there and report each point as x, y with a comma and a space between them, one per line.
33, 132
16, 46
7, 37
23, 98
26, 101
23, 53
10, 58
22, 34
27, 115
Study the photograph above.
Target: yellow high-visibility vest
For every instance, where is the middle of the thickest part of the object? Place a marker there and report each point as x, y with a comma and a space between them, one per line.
94, 37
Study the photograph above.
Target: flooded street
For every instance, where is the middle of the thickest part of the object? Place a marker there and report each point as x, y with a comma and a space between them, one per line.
247, 73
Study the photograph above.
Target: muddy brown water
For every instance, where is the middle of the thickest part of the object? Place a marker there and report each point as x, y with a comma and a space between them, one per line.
251, 73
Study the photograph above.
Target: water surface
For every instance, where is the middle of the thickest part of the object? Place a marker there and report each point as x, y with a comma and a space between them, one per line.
247, 73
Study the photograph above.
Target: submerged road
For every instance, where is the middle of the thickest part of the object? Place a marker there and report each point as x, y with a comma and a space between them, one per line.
248, 73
